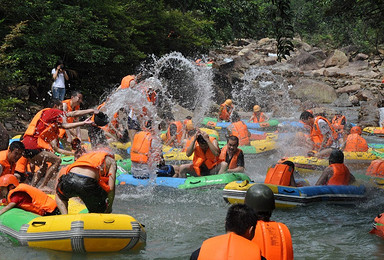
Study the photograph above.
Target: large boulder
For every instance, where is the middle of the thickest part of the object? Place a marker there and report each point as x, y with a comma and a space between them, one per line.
349, 88
343, 101
306, 61
338, 58
316, 91
369, 114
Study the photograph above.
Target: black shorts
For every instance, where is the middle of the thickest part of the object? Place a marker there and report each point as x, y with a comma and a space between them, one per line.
133, 124
30, 153
86, 188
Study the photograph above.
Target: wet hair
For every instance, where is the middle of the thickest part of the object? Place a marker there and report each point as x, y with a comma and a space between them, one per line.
54, 102
200, 139
16, 145
191, 132
235, 117
336, 156
306, 115
264, 215
233, 138
290, 164
188, 117
75, 93
59, 62
240, 218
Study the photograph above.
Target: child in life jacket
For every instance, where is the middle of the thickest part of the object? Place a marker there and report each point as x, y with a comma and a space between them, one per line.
25, 197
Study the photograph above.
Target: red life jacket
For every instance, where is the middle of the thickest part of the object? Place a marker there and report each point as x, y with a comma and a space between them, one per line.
356, 143
41, 202
200, 157
316, 135
7, 167
240, 130
140, 147
233, 162
274, 240
229, 246
279, 174
95, 160
341, 174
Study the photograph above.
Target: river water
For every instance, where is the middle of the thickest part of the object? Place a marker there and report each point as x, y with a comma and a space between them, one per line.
178, 221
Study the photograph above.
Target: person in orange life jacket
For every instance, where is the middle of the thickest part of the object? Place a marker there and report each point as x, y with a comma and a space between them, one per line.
25, 197
239, 129
36, 141
92, 178
188, 139
258, 116
69, 105
175, 131
355, 142
129, 81
281, 174
336, 173
9, 158
225, 110
240, 224
232, 158
338, 122
273, 238
322, 134
206, 156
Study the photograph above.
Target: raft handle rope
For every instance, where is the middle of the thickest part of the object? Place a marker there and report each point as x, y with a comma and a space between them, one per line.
38, 223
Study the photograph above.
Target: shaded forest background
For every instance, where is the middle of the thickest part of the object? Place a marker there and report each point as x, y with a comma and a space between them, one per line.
102, 41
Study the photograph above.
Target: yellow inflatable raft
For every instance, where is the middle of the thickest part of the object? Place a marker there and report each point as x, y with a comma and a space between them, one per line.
372, 130
175, 155
88, 232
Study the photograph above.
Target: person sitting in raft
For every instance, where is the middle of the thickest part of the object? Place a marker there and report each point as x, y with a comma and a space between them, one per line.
258, 116
322, 135
240, 224
225, 110
26, 197
355, 142
175, 131
239, 129
273, 238
231, 157
336, 173
9, 158
338, 122
281, 174
188, 139
206, 156
92, 178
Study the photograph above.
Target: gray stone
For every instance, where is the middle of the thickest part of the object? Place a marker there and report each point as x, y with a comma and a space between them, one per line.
343, 101
315, 91
349, 89
338, 58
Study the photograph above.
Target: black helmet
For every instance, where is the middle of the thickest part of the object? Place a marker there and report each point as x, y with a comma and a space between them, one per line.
101, 119
336, 156
260, 197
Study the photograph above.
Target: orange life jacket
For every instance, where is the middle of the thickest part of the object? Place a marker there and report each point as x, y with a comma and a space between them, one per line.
223, 155
188, 143
260, 119
31, 130
41, 202
341, 174
376, 168
240, 130
140, 147
151, 97
208, 158
316, 135
274, 240
69, 109
337, 123
229, 246
126, 81
95, 160
225, 112
179, 132
356, 143
280, 174
7, 167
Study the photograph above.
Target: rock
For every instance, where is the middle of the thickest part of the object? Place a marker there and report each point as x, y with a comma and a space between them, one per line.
4, 138
306, 61
354, 100
8, 126
365, 95
319, 54
349, 89
343, 101
268, 61
22, 92
369, 114
361, 56
316, 91
338, 58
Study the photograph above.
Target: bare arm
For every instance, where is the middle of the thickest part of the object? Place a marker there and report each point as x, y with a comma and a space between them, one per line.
55, 74
325, 176
57, 149
111, 182
213, 146
81, 112
191, 147
76, 124
237, 169
8, 207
